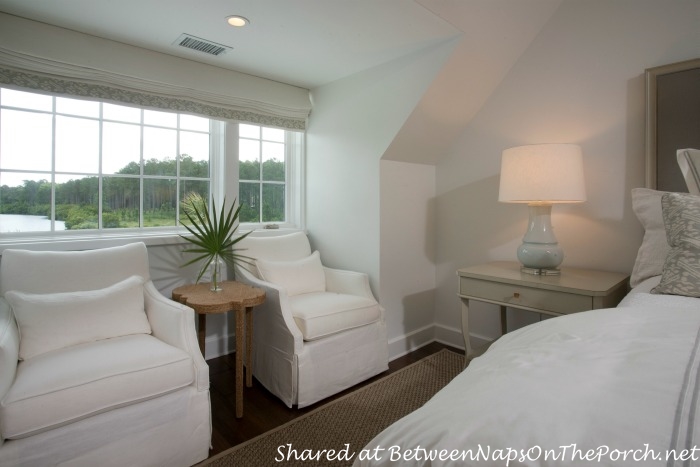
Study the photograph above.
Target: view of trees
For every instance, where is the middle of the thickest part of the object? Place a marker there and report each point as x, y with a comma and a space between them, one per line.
77, 200
249, 188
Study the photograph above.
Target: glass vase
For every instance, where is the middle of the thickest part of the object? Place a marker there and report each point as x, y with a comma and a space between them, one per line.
216, 269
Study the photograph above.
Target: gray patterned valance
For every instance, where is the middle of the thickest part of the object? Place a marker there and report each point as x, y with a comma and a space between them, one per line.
23, 72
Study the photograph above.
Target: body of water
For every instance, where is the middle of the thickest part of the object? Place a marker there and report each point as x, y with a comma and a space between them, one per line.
13, 223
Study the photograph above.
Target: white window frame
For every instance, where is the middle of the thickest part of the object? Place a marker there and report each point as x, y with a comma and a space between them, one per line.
294, 150
224, 184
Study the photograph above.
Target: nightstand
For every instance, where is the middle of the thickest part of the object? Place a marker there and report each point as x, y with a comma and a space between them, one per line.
502, 283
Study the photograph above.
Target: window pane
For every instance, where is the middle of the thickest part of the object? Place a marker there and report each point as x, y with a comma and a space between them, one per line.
121, 113
191, 122
189, 188
121, 148
249, 198
273, 203
194, 150
77, 107
273, 134
77, 145
248, 160
248, 131
120, 202
25, 202
153, 117
261, 154
273, 162
25, 140
15, 223
159, 151
77, 201
26, 100
159, 200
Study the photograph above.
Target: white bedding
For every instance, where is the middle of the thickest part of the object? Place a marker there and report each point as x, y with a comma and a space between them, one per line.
614, 381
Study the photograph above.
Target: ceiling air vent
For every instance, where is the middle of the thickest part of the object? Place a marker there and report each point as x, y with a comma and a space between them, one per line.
201, 45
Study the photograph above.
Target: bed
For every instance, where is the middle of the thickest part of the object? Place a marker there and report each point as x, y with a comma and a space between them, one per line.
617, 386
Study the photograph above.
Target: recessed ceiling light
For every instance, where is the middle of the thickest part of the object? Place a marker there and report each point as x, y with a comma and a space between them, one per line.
238, 21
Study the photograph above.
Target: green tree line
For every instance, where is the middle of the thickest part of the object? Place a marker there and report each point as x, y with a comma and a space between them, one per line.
77, 200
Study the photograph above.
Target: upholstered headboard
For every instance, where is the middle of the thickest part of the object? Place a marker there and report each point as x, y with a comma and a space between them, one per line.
672, 121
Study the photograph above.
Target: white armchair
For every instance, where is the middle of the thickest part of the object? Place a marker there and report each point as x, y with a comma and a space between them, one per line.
107, 371
319, 331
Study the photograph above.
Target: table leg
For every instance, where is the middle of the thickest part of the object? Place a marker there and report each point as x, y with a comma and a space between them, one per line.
465, 330
249, 347
202, 331
240, 325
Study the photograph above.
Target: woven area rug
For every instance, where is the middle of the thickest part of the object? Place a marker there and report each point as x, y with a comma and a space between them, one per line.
351, 420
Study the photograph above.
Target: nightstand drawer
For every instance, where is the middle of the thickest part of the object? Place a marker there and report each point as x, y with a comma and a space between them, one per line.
526, 297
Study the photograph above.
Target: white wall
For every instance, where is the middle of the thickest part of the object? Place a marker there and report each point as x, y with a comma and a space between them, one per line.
407, 253
580, 81
352, 123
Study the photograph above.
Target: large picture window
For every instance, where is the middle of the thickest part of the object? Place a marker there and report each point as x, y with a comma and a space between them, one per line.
77, 167
68, 164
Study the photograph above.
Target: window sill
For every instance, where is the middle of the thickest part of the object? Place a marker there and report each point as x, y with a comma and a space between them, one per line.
90, 241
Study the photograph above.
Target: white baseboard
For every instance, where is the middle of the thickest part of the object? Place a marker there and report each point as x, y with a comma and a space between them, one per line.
453, 337
402, 345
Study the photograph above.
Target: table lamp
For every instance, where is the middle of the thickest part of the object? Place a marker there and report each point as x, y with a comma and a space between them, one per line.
541, 175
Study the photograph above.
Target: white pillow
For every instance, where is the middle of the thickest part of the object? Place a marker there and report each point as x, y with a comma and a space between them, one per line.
651, 256
54, 321
297, 277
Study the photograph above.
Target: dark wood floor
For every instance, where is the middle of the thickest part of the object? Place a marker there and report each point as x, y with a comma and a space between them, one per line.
262, 410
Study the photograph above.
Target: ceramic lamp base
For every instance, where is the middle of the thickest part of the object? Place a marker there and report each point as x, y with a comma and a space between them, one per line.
540, 252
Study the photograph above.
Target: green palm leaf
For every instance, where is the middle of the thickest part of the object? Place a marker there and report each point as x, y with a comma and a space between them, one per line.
212, 234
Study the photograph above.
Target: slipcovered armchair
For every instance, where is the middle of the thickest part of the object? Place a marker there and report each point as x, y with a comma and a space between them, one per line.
96, 366
319, 331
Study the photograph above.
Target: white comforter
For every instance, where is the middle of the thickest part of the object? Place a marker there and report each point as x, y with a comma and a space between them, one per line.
584, 389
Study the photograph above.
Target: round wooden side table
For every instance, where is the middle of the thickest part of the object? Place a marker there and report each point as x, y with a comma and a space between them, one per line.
234, 296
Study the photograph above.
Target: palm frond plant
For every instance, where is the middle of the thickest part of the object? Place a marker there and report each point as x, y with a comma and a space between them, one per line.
213, 236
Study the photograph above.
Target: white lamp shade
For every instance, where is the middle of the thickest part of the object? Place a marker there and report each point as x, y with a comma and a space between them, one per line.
542, 174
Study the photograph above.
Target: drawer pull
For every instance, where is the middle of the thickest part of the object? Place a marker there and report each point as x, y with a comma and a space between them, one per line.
516, 294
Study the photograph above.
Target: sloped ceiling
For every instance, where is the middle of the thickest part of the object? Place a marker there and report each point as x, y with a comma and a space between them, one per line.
310, 43
495, 33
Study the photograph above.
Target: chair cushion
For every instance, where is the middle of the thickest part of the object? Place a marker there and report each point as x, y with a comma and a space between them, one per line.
57, 320
66, 385
299, 276
288, 247
321, 314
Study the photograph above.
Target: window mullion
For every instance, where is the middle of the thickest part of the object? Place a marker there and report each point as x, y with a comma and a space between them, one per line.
141, 163
218, 167
177, 172
53, 164
260, 179
100, 184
